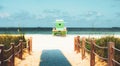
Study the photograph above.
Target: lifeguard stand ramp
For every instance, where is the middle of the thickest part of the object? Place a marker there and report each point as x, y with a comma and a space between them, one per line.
59, 28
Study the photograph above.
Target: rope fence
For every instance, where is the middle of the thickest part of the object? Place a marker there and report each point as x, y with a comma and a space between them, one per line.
87, 49
8, 56
100, 47
110, 48
113, 59
116, 61
100, 56
116, 49
110, 53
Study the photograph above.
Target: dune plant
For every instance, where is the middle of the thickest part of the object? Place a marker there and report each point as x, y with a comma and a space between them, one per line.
7, 39
103, 42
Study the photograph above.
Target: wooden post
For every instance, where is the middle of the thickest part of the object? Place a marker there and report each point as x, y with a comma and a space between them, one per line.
78, 44
1, 55
92, 55
13, 53
83, 48
111, 53
30, 45
74, 43
21, 48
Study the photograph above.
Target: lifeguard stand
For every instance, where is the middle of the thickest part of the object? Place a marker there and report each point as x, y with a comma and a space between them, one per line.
59, 29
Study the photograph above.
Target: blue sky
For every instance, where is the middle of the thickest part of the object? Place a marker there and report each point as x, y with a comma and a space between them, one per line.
75, 13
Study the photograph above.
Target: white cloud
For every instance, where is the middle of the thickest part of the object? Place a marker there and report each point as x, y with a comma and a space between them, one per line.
4, 15
23, 15
92, 15
48, 17
99, 14
51, 11
39, 17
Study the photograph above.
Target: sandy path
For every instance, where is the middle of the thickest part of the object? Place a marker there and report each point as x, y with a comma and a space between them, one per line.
49, 42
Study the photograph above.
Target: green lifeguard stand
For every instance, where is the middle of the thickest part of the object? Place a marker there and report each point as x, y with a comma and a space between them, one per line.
59, 29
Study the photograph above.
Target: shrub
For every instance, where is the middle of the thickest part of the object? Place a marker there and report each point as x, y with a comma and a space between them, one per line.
7, 39
103, 41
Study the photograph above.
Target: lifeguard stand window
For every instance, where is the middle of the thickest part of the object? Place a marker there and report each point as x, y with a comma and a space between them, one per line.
60, 25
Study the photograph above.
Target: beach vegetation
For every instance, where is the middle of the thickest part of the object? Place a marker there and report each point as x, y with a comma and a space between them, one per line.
103, 42
7, 39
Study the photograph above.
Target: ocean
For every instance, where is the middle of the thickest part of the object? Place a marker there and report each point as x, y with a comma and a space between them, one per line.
41, 30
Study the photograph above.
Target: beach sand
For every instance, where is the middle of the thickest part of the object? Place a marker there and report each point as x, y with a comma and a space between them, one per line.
48, 42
